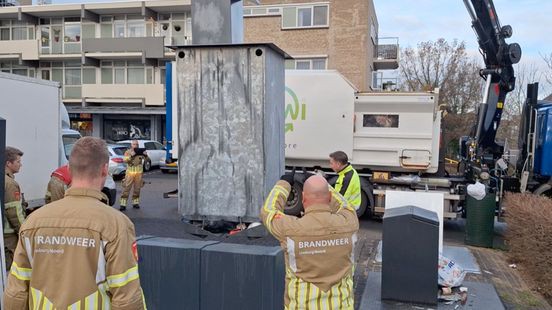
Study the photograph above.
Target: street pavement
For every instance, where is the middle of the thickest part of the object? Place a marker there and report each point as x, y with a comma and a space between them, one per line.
159, 216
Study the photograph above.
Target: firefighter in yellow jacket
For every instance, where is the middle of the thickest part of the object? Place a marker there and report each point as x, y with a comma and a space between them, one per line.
13, 203
318, 247
348, 181
133, 176
77, 253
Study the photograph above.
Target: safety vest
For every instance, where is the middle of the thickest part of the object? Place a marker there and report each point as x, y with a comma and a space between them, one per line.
348, 185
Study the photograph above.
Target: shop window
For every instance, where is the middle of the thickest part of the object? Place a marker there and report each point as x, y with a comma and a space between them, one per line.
118, 130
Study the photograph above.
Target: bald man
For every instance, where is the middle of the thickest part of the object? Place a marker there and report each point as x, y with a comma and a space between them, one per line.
318, 247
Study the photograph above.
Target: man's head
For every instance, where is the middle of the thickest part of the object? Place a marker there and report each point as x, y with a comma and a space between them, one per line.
88, 163
13, 159
315, 191
134, 144
338, 161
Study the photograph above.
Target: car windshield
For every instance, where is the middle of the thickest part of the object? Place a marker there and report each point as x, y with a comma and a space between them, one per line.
119, 150
68, 143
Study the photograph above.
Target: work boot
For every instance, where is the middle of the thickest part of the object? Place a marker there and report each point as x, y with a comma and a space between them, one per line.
122, 208
136, 206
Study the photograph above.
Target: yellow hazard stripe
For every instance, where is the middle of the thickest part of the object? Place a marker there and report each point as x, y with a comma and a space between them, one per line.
36, 297
124, 278
23, 274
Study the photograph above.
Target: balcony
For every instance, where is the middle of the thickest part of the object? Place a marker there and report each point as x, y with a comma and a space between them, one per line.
145, 47
382, 83
386, 56
19, 49
146, 94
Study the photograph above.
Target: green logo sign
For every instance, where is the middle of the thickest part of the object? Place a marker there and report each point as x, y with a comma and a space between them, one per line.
294, 110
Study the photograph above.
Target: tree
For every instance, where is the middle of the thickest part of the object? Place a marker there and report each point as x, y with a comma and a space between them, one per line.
446, 66
548, 74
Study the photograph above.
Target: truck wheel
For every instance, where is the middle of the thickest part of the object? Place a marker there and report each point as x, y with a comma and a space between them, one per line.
544, 190
294, 204
363, 204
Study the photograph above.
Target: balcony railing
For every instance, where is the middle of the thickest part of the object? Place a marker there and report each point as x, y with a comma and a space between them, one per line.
386, 55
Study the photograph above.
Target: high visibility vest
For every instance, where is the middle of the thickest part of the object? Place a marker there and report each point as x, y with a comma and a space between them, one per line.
348, 185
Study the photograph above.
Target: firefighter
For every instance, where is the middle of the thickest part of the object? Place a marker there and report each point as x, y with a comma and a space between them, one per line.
133, 176
348, 181
318, 247
14, 204
58, 184
77, 253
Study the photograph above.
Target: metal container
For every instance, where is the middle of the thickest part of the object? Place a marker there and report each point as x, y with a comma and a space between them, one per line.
230, 118
480, 220
410, 253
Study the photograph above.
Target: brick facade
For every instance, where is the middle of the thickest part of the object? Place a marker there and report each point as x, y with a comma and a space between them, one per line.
346, 42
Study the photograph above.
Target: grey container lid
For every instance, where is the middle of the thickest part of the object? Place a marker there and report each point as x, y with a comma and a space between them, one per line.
416, 213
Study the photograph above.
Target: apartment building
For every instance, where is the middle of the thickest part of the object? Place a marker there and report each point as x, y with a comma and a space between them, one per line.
110, 57
333, 34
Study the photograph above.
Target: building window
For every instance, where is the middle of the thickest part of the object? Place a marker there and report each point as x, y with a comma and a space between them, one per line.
15, 68
16, 30
72, 33
123, 26
306, 64
380, 121
305, 16
121, 72
176, 28
261, 11
136, 28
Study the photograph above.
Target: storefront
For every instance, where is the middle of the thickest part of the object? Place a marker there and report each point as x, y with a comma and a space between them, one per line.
118, 129
82, 122
113, 126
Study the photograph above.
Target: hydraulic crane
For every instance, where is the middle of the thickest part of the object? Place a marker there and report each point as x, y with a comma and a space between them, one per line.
480, 150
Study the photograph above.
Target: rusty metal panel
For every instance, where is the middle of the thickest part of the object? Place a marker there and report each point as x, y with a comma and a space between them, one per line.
230, 118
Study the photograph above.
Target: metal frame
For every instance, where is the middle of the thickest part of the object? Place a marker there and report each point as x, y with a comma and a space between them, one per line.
3, 276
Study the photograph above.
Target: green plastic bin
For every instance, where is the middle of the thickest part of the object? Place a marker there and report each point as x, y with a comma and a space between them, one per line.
480, 220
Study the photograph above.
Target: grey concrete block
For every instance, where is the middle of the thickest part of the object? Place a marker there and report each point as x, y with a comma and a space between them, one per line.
170, 272
235, 276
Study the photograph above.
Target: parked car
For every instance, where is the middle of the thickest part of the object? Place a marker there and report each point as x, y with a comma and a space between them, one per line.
169, 167
117, 165
155, 150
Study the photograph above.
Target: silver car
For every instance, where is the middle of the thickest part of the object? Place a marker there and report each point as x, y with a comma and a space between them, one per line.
117, 165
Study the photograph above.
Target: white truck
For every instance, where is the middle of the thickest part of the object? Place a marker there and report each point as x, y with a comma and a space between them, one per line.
37, 123
392, 138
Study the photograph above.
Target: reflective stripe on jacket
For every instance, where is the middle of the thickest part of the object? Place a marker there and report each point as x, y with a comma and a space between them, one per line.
348, 185
77, 253
135, 164
319, 250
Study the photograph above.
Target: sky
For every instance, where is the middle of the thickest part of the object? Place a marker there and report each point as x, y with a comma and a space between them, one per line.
424, 20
